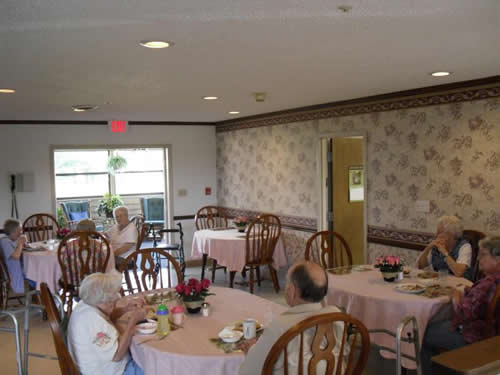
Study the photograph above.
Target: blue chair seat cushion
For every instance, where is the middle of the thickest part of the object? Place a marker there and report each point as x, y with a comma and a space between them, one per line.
77, 216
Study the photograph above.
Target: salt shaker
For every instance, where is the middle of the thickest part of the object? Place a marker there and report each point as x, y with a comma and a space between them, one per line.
205, 309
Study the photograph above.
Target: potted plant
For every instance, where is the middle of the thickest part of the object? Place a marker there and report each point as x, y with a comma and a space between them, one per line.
241, 223
108, 203
115, 163
193, 293
389, 265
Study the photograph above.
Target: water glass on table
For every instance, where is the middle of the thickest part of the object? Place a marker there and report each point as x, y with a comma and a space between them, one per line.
443, 277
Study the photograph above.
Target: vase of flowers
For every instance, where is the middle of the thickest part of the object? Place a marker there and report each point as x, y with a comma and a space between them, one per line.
62, 232
193, 294
390, 266
241, 223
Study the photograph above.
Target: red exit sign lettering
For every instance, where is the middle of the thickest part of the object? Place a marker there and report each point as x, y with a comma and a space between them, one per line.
118, 126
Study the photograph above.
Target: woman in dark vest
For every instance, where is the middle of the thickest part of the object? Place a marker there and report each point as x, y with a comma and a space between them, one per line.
449, 250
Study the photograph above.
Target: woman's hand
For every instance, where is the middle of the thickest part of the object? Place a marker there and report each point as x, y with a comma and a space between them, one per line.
440, 244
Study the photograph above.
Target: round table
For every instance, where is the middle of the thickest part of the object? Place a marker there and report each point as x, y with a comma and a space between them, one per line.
367, 297
189, 351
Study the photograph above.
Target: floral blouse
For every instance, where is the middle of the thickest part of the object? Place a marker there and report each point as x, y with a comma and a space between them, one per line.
471, 311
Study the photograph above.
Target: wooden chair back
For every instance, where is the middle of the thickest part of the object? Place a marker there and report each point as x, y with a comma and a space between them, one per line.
40, 227
138, 220
142, 234
473, 237
66, 363
328, 249
493, 313
209, 217
81, 254
153, 272
324, 341
261, 238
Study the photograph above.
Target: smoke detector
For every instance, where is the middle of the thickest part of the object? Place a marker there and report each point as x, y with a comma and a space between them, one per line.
260, 97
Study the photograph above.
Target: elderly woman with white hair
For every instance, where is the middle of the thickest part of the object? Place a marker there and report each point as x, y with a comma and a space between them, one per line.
95, 343
123, 235
449, 251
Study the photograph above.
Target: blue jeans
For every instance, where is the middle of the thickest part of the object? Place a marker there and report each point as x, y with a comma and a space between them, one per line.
439, 337
132, 368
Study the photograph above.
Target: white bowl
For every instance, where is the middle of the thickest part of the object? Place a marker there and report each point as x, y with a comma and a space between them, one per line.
146, 328
228, 335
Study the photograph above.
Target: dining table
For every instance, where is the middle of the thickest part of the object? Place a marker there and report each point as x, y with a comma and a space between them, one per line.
40, 264
191, 350
228, 247
362, 292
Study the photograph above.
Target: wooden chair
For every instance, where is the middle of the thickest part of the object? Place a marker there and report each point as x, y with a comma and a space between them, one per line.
138, 220
143, 232
328, 249
66, 364
149, 275
353, 332
210, 217
80, 254
40, 227
493, 312
261, 238
473, 237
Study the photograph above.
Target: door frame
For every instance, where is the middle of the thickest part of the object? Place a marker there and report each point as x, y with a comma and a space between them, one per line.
320, 177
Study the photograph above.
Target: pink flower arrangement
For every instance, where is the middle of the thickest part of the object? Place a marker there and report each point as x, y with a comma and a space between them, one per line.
240, 221
388, 263
63, 232
194, 290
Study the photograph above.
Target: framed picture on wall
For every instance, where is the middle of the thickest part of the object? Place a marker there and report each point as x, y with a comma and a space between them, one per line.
356, 183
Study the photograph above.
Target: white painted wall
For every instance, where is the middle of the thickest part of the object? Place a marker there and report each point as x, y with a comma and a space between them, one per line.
26, 148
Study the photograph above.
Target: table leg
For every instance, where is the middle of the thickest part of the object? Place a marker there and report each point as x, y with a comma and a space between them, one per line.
231, 278
203, 265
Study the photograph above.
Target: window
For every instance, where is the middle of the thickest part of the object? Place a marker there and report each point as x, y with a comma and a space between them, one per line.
84, 173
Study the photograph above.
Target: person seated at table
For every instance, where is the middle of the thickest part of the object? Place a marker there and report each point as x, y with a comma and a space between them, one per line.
95, 343
449, 251
123, 235
11, 247
307, 285
469, 322
86, 225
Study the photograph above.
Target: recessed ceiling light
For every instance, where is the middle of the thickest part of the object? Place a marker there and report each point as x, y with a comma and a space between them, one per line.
234, 112
440, 74
210, 97
7, 91
84, 108
156, 43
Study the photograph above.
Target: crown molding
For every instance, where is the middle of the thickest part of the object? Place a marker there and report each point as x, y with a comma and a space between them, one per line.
102, 122
434, 95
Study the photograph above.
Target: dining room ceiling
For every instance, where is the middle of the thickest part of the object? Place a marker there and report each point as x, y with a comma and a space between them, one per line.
60, 53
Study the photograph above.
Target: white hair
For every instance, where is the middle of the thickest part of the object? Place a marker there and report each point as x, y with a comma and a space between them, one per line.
120, 208
99, 288
452, 225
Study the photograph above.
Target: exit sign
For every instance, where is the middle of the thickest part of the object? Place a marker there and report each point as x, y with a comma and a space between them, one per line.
118, 126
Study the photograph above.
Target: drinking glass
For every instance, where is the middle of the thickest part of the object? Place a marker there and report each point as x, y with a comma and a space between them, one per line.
443, 275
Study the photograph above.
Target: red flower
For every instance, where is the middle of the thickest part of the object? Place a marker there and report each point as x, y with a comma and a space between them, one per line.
188, 290
179, 288
197, 288
193, 282
205, 283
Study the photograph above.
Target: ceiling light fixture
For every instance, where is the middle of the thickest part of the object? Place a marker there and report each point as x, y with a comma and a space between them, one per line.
156, 43
84, 108
210, 97
234, 112
440, 74
7, 91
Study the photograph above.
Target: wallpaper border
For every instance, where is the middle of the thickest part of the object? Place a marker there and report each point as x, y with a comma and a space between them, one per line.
428, 96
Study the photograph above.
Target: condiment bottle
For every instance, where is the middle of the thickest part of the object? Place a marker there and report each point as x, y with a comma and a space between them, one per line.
163, 323
205, 309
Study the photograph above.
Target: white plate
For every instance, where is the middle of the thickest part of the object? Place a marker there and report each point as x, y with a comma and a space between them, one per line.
411, 288
228, 335
146, 328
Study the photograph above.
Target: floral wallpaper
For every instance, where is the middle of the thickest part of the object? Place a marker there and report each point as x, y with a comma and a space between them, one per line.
447, 154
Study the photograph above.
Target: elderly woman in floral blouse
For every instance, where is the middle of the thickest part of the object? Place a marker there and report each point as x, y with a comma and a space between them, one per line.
468, 323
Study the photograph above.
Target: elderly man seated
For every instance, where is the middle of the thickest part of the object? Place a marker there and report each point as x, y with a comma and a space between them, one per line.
307, 285
123, 235
95, 343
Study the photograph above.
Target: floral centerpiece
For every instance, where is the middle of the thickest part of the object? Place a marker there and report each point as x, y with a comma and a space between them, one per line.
241, 223
62, 232
389, 265
193, 293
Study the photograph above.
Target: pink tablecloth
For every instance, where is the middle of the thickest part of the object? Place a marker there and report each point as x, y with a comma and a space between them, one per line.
43, 266
188, 350
367, 297
228, 248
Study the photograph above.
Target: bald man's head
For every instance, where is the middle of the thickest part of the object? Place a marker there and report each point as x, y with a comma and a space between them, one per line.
311, 281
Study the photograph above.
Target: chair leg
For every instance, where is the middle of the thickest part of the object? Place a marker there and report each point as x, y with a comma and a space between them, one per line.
231, 278
214, 268
203, 265
274, 277
257, 271
252, 277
